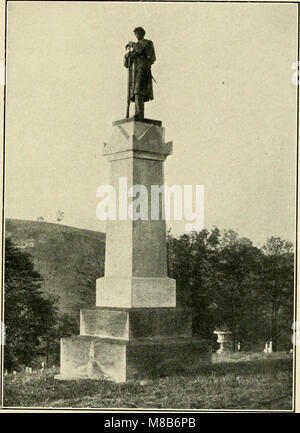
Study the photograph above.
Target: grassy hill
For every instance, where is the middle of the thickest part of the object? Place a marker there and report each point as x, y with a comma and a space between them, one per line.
69, 259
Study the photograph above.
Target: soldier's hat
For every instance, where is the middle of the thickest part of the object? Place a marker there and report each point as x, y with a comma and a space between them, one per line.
139, 29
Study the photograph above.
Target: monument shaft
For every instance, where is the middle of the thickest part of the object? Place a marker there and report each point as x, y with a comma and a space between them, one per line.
134, 330
136, 255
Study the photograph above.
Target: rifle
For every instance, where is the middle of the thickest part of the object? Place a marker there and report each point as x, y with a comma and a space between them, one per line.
128, 105
129, 64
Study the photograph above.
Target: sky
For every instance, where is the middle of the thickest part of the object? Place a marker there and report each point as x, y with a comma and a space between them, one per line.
224, 94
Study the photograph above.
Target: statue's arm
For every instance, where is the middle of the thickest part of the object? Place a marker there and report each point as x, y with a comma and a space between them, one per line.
150, 52
128, 58
137, 48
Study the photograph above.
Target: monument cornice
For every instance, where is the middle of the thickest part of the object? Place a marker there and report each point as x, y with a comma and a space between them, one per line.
145, 140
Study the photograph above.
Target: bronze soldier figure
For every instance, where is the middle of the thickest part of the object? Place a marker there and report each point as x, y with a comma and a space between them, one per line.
138, 59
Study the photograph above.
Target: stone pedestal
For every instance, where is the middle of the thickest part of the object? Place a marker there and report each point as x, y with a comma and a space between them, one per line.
135, 330
225, 341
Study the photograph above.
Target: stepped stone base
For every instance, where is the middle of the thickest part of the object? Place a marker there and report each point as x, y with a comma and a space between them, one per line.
122, 344
134, 323
122, 360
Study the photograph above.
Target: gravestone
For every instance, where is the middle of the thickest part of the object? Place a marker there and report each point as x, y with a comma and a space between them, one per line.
135, 329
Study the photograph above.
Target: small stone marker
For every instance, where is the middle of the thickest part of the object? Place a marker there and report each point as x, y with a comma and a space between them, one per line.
30, 370
270, 349
239, 347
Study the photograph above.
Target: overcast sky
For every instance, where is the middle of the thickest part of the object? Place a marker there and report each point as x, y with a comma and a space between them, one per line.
224, 94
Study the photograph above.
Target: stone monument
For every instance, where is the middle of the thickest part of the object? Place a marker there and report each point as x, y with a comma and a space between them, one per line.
135, 329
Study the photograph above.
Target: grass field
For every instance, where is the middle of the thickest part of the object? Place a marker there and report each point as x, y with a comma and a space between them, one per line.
242, 381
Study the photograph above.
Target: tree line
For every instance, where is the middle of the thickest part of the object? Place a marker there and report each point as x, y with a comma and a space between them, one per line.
222, 277
227, 281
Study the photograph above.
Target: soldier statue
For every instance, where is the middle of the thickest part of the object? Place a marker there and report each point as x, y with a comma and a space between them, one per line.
138, 59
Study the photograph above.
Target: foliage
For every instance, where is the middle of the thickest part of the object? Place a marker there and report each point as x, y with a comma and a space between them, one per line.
224, 278
28, 314
59, 216
229, 282
277, 286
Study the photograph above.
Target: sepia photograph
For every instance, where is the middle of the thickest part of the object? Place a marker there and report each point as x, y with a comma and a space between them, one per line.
149, 206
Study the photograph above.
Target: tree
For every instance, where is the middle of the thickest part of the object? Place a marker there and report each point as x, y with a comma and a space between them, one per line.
191, 260
40, 218
59, 215
277, 285
228, 281
179, 266
63, 326
235, 281
204, 254
28, 314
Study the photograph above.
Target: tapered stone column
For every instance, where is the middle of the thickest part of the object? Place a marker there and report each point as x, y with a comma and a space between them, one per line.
135, 330
136, 256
